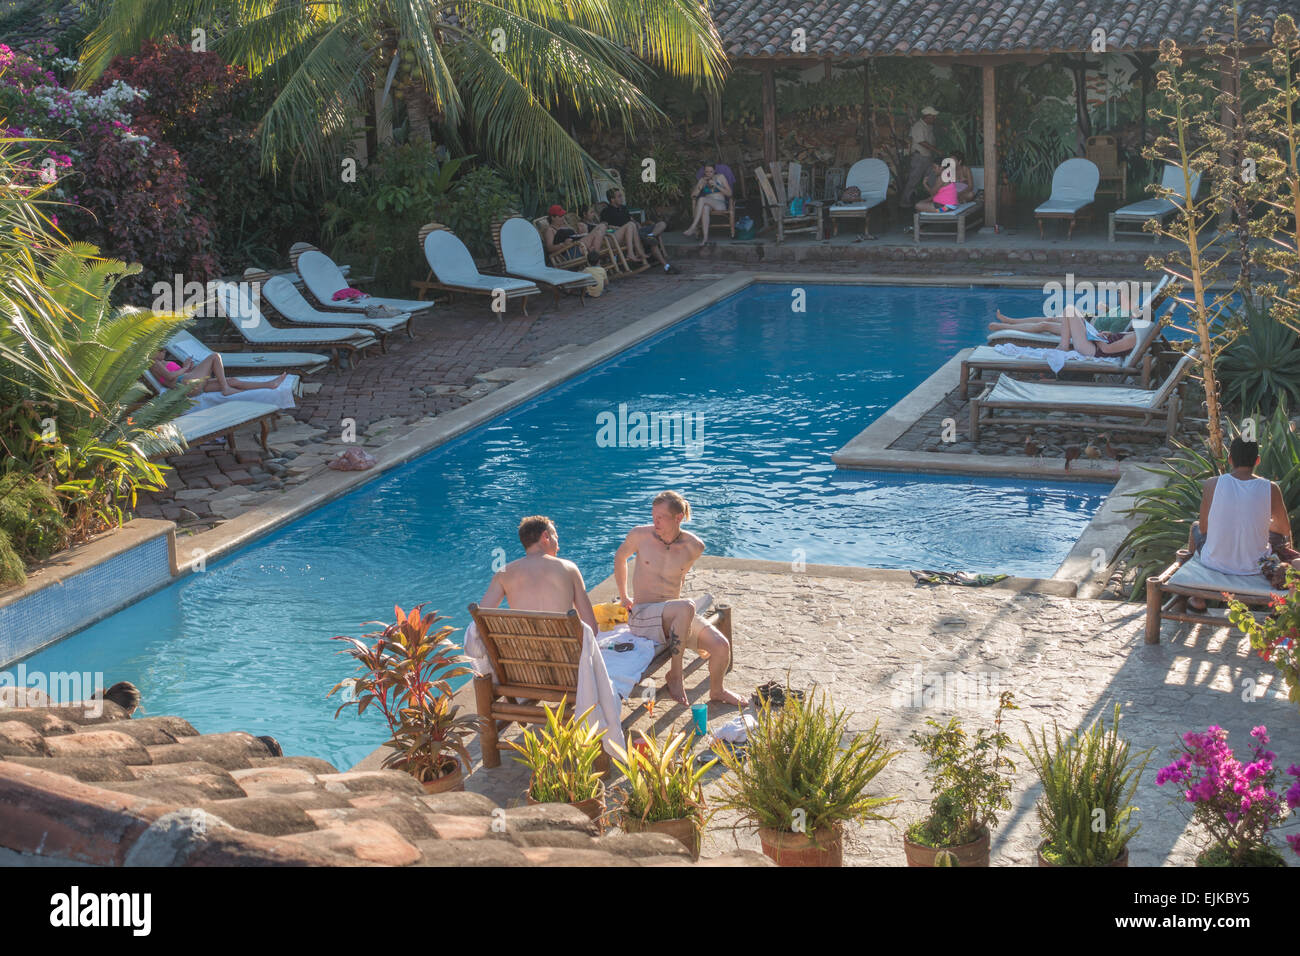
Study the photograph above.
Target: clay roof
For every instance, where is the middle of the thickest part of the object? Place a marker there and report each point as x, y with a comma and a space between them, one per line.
110, 790
856, 28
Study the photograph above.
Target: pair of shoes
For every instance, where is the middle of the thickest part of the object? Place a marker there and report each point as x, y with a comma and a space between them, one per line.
774, 694
671, 271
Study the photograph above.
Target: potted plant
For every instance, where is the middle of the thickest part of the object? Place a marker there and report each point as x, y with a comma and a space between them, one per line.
1234, 804
406, 674
663, 793
798, 782
561, 757
1088, 784
971, 780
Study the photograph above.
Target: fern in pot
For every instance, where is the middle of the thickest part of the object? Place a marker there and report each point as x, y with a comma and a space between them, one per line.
799, 781
1088, 782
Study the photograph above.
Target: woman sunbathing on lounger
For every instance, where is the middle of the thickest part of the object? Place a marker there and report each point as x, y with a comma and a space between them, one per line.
1080, 335
208, 376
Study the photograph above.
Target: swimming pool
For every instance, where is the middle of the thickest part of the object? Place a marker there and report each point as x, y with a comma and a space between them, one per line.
770, 393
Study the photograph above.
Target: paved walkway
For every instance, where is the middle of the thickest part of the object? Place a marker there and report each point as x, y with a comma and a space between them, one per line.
869, 644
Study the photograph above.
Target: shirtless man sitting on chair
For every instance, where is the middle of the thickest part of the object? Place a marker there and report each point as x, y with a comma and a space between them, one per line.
539, 581
664, 553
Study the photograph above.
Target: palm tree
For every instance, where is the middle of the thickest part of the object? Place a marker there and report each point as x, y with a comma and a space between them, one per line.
493, 69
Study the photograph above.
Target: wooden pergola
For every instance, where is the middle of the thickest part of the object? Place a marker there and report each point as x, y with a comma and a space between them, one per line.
765, 36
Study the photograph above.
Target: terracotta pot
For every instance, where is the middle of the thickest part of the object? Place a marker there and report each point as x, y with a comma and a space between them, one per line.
798, 849
1121, 860
682, 830
975, 853
594, 808
453, 778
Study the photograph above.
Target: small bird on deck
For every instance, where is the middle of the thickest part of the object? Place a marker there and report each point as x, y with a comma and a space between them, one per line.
1031, 447
1109, 450
1093, 452
1072, 452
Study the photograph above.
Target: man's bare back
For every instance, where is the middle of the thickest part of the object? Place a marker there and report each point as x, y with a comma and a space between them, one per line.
540, 581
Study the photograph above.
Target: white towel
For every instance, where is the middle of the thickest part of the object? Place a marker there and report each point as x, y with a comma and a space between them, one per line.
281, 396
1054, 358
625, 667
595, 689
736, 730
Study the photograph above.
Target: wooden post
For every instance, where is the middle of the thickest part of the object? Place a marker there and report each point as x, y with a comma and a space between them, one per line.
487, 737
991, 178
868, 112
1152, 635
769, 115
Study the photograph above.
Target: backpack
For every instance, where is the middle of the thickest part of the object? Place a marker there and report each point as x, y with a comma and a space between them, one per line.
796, 206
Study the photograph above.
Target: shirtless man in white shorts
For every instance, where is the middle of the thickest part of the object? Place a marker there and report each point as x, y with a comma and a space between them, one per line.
539, 581
664, 553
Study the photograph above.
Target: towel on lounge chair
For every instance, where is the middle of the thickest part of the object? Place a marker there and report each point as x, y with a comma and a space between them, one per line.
281, 396
1055, 359
625, 667
1195, 575
595, 689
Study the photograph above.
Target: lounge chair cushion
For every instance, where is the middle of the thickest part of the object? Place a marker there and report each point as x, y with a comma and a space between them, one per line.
941, 216
219, 418
1011, 391
289, 302
245, 316
453, 265
1061, 207
521, 248
323, 278
281, 396
1193, 574
1146, 209
1074, 185
990, 353
185, 346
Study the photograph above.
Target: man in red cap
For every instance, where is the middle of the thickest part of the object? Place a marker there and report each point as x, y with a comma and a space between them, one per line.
559, 235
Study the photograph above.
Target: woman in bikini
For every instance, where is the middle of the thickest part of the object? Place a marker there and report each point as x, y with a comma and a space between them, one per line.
1080, 335
207, 376
711, 194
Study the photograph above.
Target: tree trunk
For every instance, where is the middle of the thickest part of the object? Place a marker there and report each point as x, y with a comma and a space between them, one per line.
417, 113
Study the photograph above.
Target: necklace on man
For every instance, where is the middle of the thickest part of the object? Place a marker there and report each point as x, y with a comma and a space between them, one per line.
667, 544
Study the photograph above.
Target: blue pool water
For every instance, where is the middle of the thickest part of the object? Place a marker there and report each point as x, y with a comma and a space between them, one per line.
246, 644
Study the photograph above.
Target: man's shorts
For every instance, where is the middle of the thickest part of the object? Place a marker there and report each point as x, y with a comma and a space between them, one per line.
1282, 550
647, 620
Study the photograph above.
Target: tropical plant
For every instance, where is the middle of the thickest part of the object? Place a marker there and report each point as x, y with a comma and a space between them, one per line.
503, 72
674, 177
663, 780
31, 525
406, 673
1088, 783
1262, 364
797, 767
1277, 638
1165, 513
562, 757
969, 776
1236, 805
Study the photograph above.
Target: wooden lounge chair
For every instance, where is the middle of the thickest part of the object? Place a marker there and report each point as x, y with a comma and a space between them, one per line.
1086, 402
1158, 208
1074, 190
247, 318
184, 346
452, 270
1146, 307
321, 278
1167, 594
534, 657
1104, 151
282, 300
871, 176
522, 255
1138, 362
966, 215
776, 207
222, 420
572, 253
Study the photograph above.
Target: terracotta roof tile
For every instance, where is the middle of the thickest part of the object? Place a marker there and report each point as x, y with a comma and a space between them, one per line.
855, 28
369, 841
271, 816
112, 744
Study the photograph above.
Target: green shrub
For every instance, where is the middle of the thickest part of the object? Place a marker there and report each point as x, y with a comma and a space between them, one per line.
31, 525
1262, 364
1166, 513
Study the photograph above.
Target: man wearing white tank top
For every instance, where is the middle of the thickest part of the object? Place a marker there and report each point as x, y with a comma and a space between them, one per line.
1243, 519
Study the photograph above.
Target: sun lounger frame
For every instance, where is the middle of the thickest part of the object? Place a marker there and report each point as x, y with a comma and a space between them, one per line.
551, 676
432, 283
1168, 602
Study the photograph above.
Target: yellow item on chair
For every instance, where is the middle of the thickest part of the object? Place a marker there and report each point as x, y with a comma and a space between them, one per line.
609, 615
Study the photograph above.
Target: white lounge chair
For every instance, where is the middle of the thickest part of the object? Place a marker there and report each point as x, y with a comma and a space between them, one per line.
237, 306
323, 278
523, 256
184, 346
967, 214
452, 269
223, 419
1158, 208
1138, 362
282, 396
1089, 402
287, 303
1074, 189
1149, 304
871, 176
1189, 578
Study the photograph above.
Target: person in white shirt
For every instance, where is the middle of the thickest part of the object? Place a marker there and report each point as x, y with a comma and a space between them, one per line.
924, 153
1243, 519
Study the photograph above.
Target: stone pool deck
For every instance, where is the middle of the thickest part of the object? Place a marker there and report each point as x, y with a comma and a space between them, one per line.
862, 636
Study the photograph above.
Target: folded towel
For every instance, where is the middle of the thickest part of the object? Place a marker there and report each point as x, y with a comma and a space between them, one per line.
1055, 359
736, 730
625, 667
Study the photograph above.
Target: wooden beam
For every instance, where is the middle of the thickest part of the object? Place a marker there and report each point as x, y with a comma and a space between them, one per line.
769, 116
990, 146
868, 112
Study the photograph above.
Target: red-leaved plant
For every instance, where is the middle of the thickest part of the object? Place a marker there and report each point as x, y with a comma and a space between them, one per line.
406, 674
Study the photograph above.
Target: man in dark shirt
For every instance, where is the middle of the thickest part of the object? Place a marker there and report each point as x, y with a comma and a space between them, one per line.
616, 214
